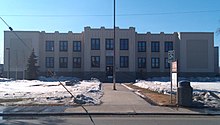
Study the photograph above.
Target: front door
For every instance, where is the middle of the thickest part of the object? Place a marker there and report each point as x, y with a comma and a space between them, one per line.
109, 71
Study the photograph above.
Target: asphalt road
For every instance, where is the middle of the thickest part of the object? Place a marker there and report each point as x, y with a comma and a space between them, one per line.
116, 120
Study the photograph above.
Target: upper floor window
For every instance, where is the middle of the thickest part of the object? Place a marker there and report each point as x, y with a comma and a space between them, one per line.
76, 62
109, 44
63, 62
155, 46
49, 45
76, 46
124, 44
155, 62
63, 46
95, 61
49, 62
124, 61
141, 46
95, 44
168, 46
141, 62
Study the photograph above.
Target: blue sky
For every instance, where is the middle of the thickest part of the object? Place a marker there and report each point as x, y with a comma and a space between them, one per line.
145, 15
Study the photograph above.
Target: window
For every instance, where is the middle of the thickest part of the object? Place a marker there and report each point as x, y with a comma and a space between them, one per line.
155, 62
95, 61
141, 62
63, 46
168, 46
109, 44
95, 44
124, 61
49, 62
123, 44
63, 62
76, 62
76, 46
109, 60
155, 46
49, 46
141, 46
166, 64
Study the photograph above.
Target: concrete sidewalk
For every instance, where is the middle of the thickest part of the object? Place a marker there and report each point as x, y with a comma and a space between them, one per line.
121, 101
125, 101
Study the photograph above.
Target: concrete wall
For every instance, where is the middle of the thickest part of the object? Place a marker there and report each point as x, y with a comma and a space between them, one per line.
196, 52
17, 51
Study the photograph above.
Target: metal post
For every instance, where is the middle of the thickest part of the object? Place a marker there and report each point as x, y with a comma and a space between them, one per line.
114, 66
171, 83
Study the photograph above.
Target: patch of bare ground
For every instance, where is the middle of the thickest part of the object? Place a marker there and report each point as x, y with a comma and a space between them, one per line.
154, 97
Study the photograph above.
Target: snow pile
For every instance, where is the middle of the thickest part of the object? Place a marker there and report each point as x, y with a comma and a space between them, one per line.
206, 93
41, 92
161, 87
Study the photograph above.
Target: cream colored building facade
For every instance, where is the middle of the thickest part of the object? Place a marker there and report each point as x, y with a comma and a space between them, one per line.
90, 53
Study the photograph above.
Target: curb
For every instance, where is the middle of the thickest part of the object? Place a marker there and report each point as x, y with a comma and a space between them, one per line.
31, 114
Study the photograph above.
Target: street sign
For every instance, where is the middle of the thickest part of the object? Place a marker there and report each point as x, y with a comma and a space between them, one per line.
174, 67
171, 56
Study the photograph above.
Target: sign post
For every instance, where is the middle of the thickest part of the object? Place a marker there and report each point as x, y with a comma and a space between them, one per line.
173, 71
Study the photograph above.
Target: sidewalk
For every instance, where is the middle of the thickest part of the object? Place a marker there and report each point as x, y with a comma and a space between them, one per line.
125, 101
121, 101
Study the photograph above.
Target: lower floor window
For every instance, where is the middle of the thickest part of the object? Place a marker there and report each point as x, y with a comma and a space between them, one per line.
141, 62
155, 62
76, 62
49, 62
124, 62
95, 61
167, 65
63, 62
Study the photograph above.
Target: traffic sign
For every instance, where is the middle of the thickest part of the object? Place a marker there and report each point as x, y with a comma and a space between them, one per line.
171, 56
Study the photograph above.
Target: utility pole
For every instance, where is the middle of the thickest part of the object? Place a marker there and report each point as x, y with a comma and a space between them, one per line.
114, 67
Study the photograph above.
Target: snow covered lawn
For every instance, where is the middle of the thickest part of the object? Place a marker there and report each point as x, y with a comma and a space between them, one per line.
25, 92
207, 93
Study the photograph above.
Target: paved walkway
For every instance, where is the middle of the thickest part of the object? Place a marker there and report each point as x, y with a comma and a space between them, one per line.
125, 101
120, 101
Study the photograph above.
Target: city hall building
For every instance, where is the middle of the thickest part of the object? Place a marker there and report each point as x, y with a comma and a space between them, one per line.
91, 53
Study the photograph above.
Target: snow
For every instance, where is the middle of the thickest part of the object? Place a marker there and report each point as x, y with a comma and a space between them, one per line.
206, 93
49, 91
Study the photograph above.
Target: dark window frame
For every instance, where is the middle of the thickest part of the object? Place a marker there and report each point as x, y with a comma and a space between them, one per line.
166, 64
49, 62
76, 62
96, 62
142, 46
155, 62
109, 44
95, 44
155, 46
63, 62
124, 61
168, 45
124, 44
63, 45
49, 46
76, 46
142, 62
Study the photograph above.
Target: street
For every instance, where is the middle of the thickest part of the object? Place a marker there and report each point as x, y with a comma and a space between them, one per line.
117, 120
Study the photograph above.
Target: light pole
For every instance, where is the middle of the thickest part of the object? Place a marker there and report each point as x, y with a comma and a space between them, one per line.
114, 67
8, 74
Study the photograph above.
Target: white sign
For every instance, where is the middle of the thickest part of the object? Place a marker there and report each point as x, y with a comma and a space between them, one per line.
174, 78
171, 56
